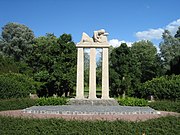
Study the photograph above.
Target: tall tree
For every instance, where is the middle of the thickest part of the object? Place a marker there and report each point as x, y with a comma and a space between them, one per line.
169, 48
177, 35
148, 59
123, 70
54, 62
16, 41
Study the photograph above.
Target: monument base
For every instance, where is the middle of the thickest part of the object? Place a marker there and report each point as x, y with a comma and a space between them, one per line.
95, 102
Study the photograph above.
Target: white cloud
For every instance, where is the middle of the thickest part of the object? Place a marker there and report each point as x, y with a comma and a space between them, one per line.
173, 26
116, 42
150, 34
157, 33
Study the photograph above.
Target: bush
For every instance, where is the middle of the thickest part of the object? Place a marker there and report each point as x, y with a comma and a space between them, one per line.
166, 87
17, 126
51, 101
130, 101
166, 105
14, 104
13, 85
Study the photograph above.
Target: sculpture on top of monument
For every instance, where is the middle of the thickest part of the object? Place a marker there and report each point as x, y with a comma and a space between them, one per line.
100, 36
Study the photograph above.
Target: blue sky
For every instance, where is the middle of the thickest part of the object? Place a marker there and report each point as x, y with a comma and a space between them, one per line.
124, 20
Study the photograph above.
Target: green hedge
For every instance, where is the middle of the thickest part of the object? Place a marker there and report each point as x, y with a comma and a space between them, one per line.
15, 104
130, 101
51, 101
13, 85
166, 87
21, 126
166, 106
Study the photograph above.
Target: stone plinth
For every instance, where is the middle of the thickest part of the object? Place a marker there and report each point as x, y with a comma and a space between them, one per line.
94, 102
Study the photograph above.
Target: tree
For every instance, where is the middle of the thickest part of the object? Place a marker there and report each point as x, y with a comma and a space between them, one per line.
169, 48
177, 35
123, 70
54, 62
86, 68
16, 41
147, 57
174, 66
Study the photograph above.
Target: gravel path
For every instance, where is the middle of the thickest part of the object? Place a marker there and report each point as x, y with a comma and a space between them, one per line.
126, 117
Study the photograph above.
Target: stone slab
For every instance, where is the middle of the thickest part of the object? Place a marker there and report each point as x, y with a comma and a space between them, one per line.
90, 110
97, 102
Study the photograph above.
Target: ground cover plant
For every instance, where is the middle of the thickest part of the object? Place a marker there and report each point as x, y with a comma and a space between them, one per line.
161, 126
130, 101
51, 101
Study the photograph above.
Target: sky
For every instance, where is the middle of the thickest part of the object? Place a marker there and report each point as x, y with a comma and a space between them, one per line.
125, 20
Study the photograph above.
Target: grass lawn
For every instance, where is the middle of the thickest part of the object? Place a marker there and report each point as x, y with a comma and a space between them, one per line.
98, 91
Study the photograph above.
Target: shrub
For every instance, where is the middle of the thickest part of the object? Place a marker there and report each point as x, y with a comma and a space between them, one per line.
17, 126
166, 87
14, 104
13, 85
51, 101
166, 105
130, 101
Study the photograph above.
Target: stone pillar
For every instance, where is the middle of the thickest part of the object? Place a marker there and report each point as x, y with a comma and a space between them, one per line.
92, 74
105, 74
80, 74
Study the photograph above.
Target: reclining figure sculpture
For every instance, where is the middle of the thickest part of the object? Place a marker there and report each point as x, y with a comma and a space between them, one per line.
100, 36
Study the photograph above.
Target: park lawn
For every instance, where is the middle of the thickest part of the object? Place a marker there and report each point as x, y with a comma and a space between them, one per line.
98, 91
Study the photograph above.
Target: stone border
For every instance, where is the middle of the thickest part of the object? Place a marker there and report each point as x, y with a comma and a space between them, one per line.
132, 117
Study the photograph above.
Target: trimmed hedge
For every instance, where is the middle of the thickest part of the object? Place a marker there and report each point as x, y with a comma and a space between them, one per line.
15, 104
166, 87
13, 85
21, 126
166, 106
51, 101
130, 101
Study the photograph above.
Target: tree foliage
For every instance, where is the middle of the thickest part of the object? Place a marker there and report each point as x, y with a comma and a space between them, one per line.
149, 61
123, 70
130, 66
177, 35
170, 49
54, 62
16, 41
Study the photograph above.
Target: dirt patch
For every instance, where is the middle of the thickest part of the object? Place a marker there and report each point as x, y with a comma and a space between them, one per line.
133, 117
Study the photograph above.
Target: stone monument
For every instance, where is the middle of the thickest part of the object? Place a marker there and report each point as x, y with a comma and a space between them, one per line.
99, 40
